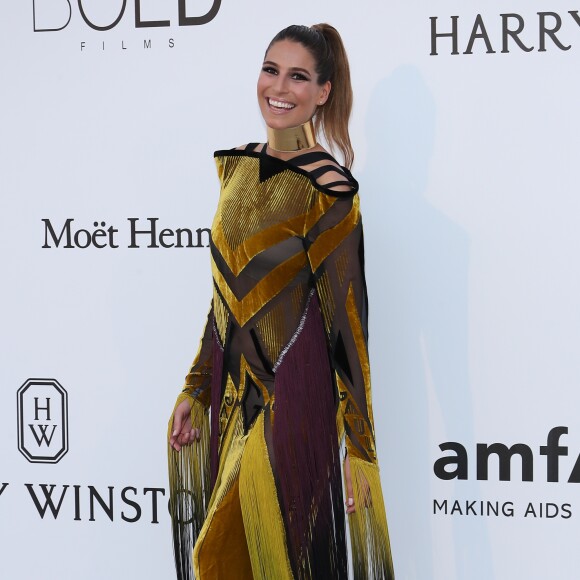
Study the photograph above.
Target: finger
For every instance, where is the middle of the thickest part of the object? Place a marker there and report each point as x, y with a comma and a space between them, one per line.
176, 428
349, 490
348, 478
350, 505
183, 439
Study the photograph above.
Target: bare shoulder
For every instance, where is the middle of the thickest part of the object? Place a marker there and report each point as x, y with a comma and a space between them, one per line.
327, 171
336, 180
250, 147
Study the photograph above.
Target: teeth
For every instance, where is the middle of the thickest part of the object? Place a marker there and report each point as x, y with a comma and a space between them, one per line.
280, 104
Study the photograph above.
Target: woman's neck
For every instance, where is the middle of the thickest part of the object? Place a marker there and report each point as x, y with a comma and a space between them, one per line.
291, 140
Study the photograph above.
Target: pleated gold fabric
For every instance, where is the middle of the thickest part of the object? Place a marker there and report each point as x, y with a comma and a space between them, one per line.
220, 549
282, 375
263, 522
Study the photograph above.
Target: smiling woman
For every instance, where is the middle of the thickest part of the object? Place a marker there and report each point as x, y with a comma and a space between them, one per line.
288, 89
281, 381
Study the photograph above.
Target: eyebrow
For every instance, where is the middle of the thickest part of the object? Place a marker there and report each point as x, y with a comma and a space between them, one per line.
293, 68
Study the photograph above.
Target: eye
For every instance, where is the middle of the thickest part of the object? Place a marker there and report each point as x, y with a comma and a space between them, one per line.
269, 70
299, 77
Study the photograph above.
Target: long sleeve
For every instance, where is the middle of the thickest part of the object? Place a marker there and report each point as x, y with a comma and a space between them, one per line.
336, 256
189, 469
198, 380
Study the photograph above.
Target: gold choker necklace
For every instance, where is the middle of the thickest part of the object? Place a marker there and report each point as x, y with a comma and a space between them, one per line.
292, 138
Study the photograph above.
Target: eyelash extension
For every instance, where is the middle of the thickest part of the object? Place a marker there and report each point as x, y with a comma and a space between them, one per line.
296, 76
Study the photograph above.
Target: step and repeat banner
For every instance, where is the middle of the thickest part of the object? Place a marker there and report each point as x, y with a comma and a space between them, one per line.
466, 131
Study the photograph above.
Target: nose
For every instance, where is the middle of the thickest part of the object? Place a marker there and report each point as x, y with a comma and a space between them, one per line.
280, 85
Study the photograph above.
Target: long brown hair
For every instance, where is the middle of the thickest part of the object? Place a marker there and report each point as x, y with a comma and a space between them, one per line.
326, 46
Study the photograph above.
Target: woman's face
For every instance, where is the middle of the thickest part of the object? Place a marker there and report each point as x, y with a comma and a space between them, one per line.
288, 89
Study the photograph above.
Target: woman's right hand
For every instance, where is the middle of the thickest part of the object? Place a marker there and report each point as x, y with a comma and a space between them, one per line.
182, 431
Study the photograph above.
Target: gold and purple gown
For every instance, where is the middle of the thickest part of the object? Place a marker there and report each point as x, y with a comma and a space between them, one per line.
281, 384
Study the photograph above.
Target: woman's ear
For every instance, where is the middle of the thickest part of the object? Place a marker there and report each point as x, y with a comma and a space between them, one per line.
324, 93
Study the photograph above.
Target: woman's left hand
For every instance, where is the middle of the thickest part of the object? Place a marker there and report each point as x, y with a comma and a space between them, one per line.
350, 507
364, 489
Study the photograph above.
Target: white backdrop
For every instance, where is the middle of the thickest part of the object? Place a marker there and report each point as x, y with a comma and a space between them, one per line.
467, 165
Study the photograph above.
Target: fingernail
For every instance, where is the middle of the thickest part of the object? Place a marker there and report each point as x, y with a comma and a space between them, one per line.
350, 501
174, 433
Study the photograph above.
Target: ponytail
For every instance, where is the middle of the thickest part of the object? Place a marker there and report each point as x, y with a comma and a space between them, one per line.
334, 115
325, 44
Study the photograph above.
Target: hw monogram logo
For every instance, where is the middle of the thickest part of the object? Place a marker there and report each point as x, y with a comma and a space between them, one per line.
42, 420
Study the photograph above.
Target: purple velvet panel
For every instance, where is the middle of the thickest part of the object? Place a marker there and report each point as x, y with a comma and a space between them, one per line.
307, 455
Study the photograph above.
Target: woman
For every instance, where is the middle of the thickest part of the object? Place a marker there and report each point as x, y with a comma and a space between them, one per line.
283, 361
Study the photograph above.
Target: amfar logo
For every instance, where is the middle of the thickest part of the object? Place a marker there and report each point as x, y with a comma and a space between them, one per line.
42, 420
55, 15
455, 466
